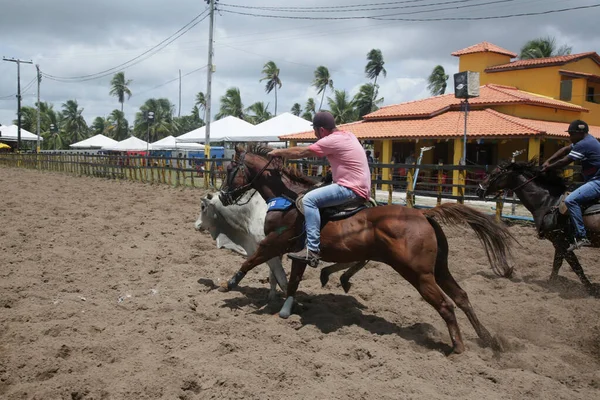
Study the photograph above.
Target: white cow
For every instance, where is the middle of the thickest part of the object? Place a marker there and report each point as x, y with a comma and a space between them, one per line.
240, 228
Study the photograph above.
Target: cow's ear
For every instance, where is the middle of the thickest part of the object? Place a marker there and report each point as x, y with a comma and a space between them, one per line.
209, 196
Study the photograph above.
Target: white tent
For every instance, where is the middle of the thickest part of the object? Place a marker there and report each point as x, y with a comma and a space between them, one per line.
9, 133
283, 124
221, 130
170, 143
129, 144
95, 142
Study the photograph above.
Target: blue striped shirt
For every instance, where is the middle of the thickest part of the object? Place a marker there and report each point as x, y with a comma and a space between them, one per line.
587, 151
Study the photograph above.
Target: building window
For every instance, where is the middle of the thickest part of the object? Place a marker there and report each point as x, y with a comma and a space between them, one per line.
591, 97
566, 88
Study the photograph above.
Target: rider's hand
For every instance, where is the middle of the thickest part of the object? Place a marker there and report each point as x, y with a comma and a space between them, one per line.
545, 166
273, 153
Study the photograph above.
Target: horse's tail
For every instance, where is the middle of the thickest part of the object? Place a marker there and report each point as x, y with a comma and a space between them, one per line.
494, 237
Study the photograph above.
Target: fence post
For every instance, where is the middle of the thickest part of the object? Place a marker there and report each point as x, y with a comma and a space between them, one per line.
499, 206
440, 179
409, 188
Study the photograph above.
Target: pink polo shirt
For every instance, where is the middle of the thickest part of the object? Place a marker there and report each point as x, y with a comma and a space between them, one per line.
348, 161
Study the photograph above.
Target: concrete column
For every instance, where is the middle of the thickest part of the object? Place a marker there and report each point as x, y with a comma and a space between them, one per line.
458, 177
386, 157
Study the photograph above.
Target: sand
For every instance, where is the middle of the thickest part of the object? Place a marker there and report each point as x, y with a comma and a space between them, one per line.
106, 292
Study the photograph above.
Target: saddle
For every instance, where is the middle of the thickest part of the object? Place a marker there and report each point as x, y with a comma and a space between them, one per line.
341, 211
588, 209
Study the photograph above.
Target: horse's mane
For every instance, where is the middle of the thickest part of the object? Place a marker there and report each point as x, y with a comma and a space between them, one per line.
551, 179
292, 173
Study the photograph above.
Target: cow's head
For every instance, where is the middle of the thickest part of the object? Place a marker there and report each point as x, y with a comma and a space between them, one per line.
208, 218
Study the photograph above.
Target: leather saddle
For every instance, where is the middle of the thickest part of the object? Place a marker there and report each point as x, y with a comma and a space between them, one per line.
341, 211
588, 209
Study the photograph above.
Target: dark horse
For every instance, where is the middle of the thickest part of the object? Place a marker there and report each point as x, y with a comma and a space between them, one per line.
408, 240
540, 193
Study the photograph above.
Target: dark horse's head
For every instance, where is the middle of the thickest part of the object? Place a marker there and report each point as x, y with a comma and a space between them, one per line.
239, 179
514, 175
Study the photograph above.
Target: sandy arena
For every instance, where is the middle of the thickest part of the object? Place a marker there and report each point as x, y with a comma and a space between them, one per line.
106, 293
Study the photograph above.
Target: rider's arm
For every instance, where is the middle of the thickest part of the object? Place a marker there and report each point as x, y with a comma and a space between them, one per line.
293, 153
558, 155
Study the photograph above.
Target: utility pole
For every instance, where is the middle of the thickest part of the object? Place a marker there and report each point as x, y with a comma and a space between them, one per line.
209, 72
179, 113
39, 81
18, 61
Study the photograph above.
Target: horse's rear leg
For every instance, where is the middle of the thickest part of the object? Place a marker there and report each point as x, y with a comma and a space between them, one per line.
345, 278
446, 281
432, 293
298, 269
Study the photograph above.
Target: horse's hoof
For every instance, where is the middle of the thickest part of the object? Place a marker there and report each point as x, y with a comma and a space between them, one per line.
224, 287
346, 285
286, 310
458, 348
324, 278
499, 344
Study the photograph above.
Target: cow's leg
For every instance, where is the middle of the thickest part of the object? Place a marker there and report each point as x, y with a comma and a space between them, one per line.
268, 248
298, 269
278, 272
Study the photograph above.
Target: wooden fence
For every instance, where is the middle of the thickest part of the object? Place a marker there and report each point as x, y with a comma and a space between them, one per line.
434, 181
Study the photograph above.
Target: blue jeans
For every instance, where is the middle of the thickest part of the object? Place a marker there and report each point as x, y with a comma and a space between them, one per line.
326, 196
586, 193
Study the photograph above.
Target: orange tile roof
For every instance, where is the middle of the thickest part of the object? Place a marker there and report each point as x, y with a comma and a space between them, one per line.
488, 95
575, 74
544, 62
484, 47
481, 123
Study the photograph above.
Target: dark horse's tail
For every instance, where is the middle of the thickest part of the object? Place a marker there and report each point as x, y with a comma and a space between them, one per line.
494, 237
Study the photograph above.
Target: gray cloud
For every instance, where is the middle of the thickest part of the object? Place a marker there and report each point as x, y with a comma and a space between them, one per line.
76, 37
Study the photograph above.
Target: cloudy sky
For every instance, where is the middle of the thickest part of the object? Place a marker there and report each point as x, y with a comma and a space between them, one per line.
73, 38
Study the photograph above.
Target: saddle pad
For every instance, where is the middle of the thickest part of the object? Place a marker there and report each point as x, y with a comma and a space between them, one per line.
279, 204
341, 209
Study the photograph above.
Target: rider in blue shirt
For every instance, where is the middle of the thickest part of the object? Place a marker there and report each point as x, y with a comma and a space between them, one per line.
586, 149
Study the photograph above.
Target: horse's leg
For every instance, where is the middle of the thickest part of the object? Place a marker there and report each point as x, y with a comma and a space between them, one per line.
345, 278
578, 269
276, 276
267, 249
298, 269
330, 269
559, 256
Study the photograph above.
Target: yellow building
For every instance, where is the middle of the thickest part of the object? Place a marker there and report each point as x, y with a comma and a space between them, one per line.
523, 105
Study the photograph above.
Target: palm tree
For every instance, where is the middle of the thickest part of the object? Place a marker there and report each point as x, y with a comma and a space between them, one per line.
260, 113
195, 114
437, 81
28, 119
117, 125
341, 107
543, 47
187, 123
231, 104
99, 126
296, 109
119, 87
272, 77
322, 81
163, 124
363, 100
74, 124
309, 110
375, 67
201, 103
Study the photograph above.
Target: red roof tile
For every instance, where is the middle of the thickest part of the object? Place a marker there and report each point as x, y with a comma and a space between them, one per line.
481, 123
485, 47
544, 62
575, 74
488, 95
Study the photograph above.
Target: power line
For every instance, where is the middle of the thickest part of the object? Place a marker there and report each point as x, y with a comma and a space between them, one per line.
386, 17
136, 60
170, 81
277, 8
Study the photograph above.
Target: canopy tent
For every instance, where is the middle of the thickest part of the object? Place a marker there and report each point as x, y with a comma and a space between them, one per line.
95, 142
228, 129
129, 144
170, 143
9, 134
283, 124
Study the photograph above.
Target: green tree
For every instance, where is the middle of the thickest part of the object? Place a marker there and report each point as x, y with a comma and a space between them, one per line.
363, 100
543, 47
309, 110
296, 109
73, 122
437, 81
341, 107
99, 126
28, 119
163, 124
375, 67
231, 104
271, 75
187, 123
201, 104
120, 87
258, 112
322, 81
117, 125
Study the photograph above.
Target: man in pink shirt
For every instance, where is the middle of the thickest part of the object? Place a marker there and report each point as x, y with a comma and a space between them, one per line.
351, 178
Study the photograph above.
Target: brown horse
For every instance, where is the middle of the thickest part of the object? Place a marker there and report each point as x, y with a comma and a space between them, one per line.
540, 193
408, 240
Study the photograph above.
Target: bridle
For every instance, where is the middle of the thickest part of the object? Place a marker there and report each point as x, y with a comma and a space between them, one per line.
231, 197
503, 171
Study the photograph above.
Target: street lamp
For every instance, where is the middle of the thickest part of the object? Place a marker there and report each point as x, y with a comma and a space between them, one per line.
54, 131
149, 116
